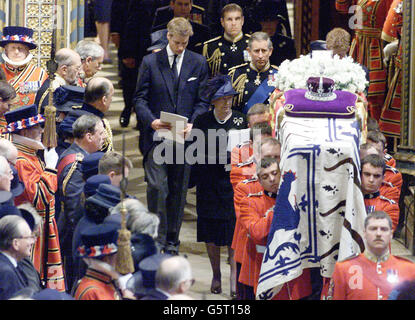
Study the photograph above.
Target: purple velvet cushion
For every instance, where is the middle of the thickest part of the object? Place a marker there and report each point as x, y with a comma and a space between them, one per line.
296, 105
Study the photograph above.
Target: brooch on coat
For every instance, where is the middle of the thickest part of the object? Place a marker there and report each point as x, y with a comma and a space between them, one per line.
238, 121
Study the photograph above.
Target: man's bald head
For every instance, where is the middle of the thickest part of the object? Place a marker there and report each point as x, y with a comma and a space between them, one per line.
69, 65
99, 92
173, 273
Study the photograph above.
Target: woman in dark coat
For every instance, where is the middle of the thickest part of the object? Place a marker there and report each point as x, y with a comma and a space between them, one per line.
214, 193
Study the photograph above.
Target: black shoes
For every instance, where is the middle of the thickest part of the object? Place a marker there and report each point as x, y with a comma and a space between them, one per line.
125, 117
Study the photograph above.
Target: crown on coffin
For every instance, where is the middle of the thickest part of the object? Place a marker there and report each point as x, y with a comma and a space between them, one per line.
320, 89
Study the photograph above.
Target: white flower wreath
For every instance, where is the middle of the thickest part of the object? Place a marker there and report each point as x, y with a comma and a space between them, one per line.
347, 74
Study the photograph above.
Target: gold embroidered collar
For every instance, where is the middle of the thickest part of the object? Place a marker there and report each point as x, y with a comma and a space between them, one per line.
372, 257
236, 39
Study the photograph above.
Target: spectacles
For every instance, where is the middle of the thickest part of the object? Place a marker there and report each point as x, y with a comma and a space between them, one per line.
9, 173
32, 236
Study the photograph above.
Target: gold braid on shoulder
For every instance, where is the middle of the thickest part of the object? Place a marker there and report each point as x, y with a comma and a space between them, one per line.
107, 145
214, 60
239, 86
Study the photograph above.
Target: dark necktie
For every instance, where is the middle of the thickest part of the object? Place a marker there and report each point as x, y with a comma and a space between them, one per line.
174, 68
176, 78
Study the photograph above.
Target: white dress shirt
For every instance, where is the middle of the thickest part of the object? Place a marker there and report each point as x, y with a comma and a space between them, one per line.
179, 59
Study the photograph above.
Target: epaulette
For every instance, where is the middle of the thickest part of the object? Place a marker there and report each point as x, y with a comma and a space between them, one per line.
238, 66
211, 40
258, 194
243, 164
404, 259
394, 170
387, 199
274, 66
247, 35
249, 180
353, 256
387, 156
79, 157
198, 7
389, 184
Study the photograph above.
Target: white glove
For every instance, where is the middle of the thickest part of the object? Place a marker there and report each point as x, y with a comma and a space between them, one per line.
389, 50
51, 158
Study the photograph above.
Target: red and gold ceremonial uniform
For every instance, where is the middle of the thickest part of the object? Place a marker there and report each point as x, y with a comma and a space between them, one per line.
390, 119
243, 189
3, 129
256, 214
377, 202
389, 191
393, 176
241, 163
96, 285
390, 161
367, 46
366, 277
40, 187
26, 81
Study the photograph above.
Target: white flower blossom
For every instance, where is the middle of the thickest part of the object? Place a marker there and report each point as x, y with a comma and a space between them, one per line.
346, 74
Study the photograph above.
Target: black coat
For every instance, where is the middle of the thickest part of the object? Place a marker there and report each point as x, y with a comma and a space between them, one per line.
11, 281
214, 193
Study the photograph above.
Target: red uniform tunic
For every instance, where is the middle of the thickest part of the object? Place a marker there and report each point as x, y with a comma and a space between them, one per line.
390, 119
389, 191
393, 176
3, 129
241, 163
40, 187
25, 80
364, 277
367, 47
390, 161
242, 190
96, 285
256, 213
377, 202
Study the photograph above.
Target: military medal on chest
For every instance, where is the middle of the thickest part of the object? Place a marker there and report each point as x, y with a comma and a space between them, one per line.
234, 47
257, 81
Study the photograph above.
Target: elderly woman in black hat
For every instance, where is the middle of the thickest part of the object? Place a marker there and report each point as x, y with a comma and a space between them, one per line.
25, 77
214, 193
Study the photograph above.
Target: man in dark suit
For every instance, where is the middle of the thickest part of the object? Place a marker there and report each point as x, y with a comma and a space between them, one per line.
173, 277
169, 80
16, 242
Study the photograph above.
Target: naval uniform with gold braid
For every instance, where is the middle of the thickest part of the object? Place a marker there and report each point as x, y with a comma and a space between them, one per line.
40, 187
70, 188
246, 79
88, 109
222, 53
